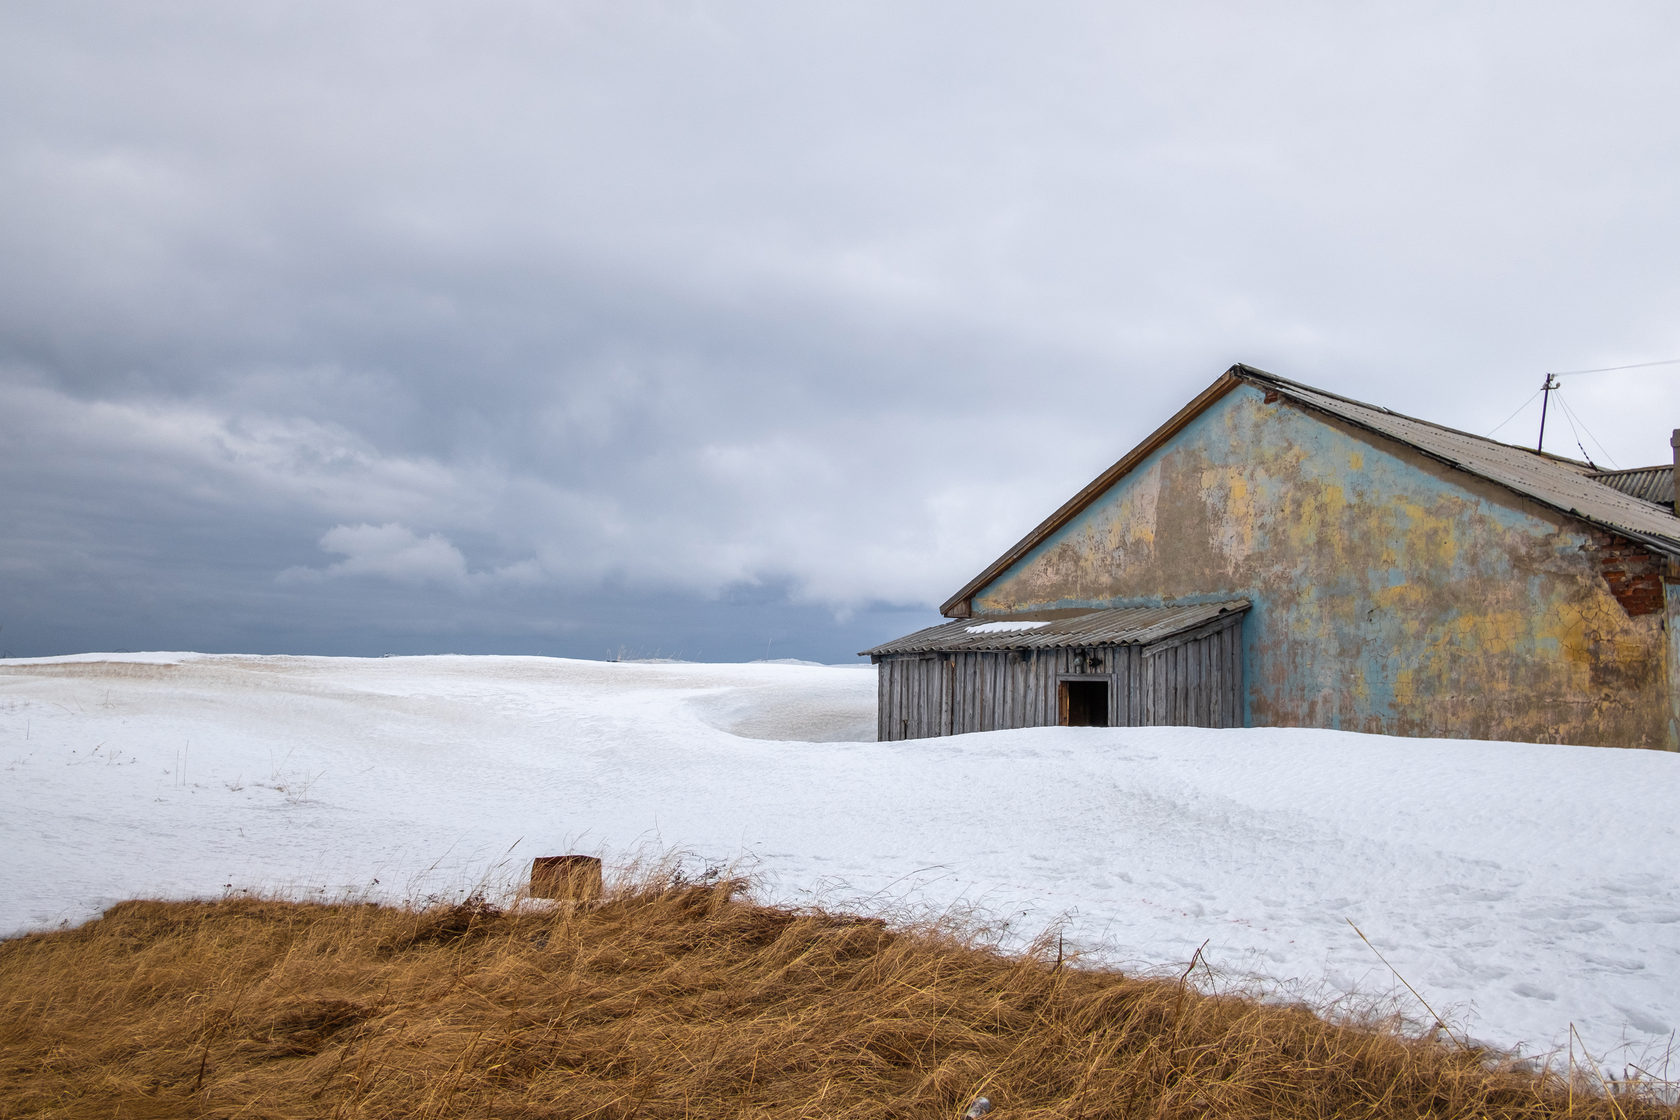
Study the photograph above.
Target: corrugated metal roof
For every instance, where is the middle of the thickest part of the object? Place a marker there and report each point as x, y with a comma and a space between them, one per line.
1652, 484
1560, 483
1057, 629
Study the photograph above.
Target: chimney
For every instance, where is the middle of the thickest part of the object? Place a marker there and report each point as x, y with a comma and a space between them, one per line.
1674, 442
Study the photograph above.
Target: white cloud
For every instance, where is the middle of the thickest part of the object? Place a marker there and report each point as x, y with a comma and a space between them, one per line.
397, 553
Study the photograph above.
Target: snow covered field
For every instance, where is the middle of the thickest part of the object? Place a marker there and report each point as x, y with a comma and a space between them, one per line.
1520, 889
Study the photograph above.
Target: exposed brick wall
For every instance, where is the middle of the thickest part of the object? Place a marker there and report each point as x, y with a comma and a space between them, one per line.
1634, 574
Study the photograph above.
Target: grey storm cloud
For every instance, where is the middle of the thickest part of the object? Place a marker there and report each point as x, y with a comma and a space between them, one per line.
712, 329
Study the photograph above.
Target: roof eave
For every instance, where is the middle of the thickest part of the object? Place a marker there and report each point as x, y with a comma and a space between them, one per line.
949, 637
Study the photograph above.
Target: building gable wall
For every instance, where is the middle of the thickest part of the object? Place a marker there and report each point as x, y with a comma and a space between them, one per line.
1391, 592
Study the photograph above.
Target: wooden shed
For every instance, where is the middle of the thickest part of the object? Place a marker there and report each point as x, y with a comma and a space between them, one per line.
1119, 667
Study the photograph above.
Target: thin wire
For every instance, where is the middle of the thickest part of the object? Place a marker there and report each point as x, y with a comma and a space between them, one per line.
1513, 415
1566, 418
1613, 369
1574, 418
1605, 451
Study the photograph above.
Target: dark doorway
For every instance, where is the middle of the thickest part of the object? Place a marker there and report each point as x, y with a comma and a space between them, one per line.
1084, 703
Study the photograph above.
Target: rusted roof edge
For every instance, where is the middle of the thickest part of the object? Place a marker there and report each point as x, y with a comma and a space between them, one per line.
958, 606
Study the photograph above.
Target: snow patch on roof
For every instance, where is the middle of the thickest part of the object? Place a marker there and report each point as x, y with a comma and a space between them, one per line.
1003, 627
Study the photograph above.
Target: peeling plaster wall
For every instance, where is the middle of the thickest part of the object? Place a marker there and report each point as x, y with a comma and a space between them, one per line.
1391, 593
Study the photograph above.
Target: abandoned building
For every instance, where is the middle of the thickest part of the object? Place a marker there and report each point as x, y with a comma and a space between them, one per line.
1276, 555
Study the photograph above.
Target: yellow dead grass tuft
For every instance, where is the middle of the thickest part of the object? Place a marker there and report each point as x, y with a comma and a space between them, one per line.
669, 1001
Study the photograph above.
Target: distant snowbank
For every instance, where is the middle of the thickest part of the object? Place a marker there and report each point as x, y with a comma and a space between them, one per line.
1520, 888
126, 657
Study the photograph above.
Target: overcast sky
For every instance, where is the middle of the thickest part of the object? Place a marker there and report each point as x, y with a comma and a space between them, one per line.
731, 330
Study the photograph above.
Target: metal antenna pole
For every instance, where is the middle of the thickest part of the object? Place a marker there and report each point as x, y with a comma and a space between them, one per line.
1545, 399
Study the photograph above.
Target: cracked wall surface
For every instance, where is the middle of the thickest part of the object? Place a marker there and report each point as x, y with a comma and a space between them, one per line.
1391, 593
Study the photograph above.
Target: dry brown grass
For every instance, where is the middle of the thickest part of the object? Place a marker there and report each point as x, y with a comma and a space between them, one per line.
666, 1002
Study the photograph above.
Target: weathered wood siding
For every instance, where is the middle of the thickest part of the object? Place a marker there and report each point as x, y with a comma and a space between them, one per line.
1192, 680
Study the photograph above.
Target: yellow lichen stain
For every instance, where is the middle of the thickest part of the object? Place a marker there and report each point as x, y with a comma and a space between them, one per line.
1405, 688
1333, 518
1428, 534
1231, 515
1356, 460
1141, 506
1403, 506
1464, 655
1314, 522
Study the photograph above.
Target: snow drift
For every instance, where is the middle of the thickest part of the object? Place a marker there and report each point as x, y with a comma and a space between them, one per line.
1519, 888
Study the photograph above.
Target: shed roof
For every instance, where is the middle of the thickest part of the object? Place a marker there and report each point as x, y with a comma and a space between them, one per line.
1653, 484
1564, 484
1057, 629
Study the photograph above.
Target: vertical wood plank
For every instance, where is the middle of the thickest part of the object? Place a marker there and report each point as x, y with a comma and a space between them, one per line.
989, 690
901, 700
1000, 703
913, 698
1239, 686
1208, 697
919, 706
1241, 674
897, 700
925, 698
884, 709
1018, 704
1230, 690
965, 692
947, 689
1159, 679
1214, 701
936, 699
1233, 676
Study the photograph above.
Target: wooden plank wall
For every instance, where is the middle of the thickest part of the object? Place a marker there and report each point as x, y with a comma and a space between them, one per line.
1195, 681
1192, 680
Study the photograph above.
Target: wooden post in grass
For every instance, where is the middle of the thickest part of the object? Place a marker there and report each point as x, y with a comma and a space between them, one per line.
569, 878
